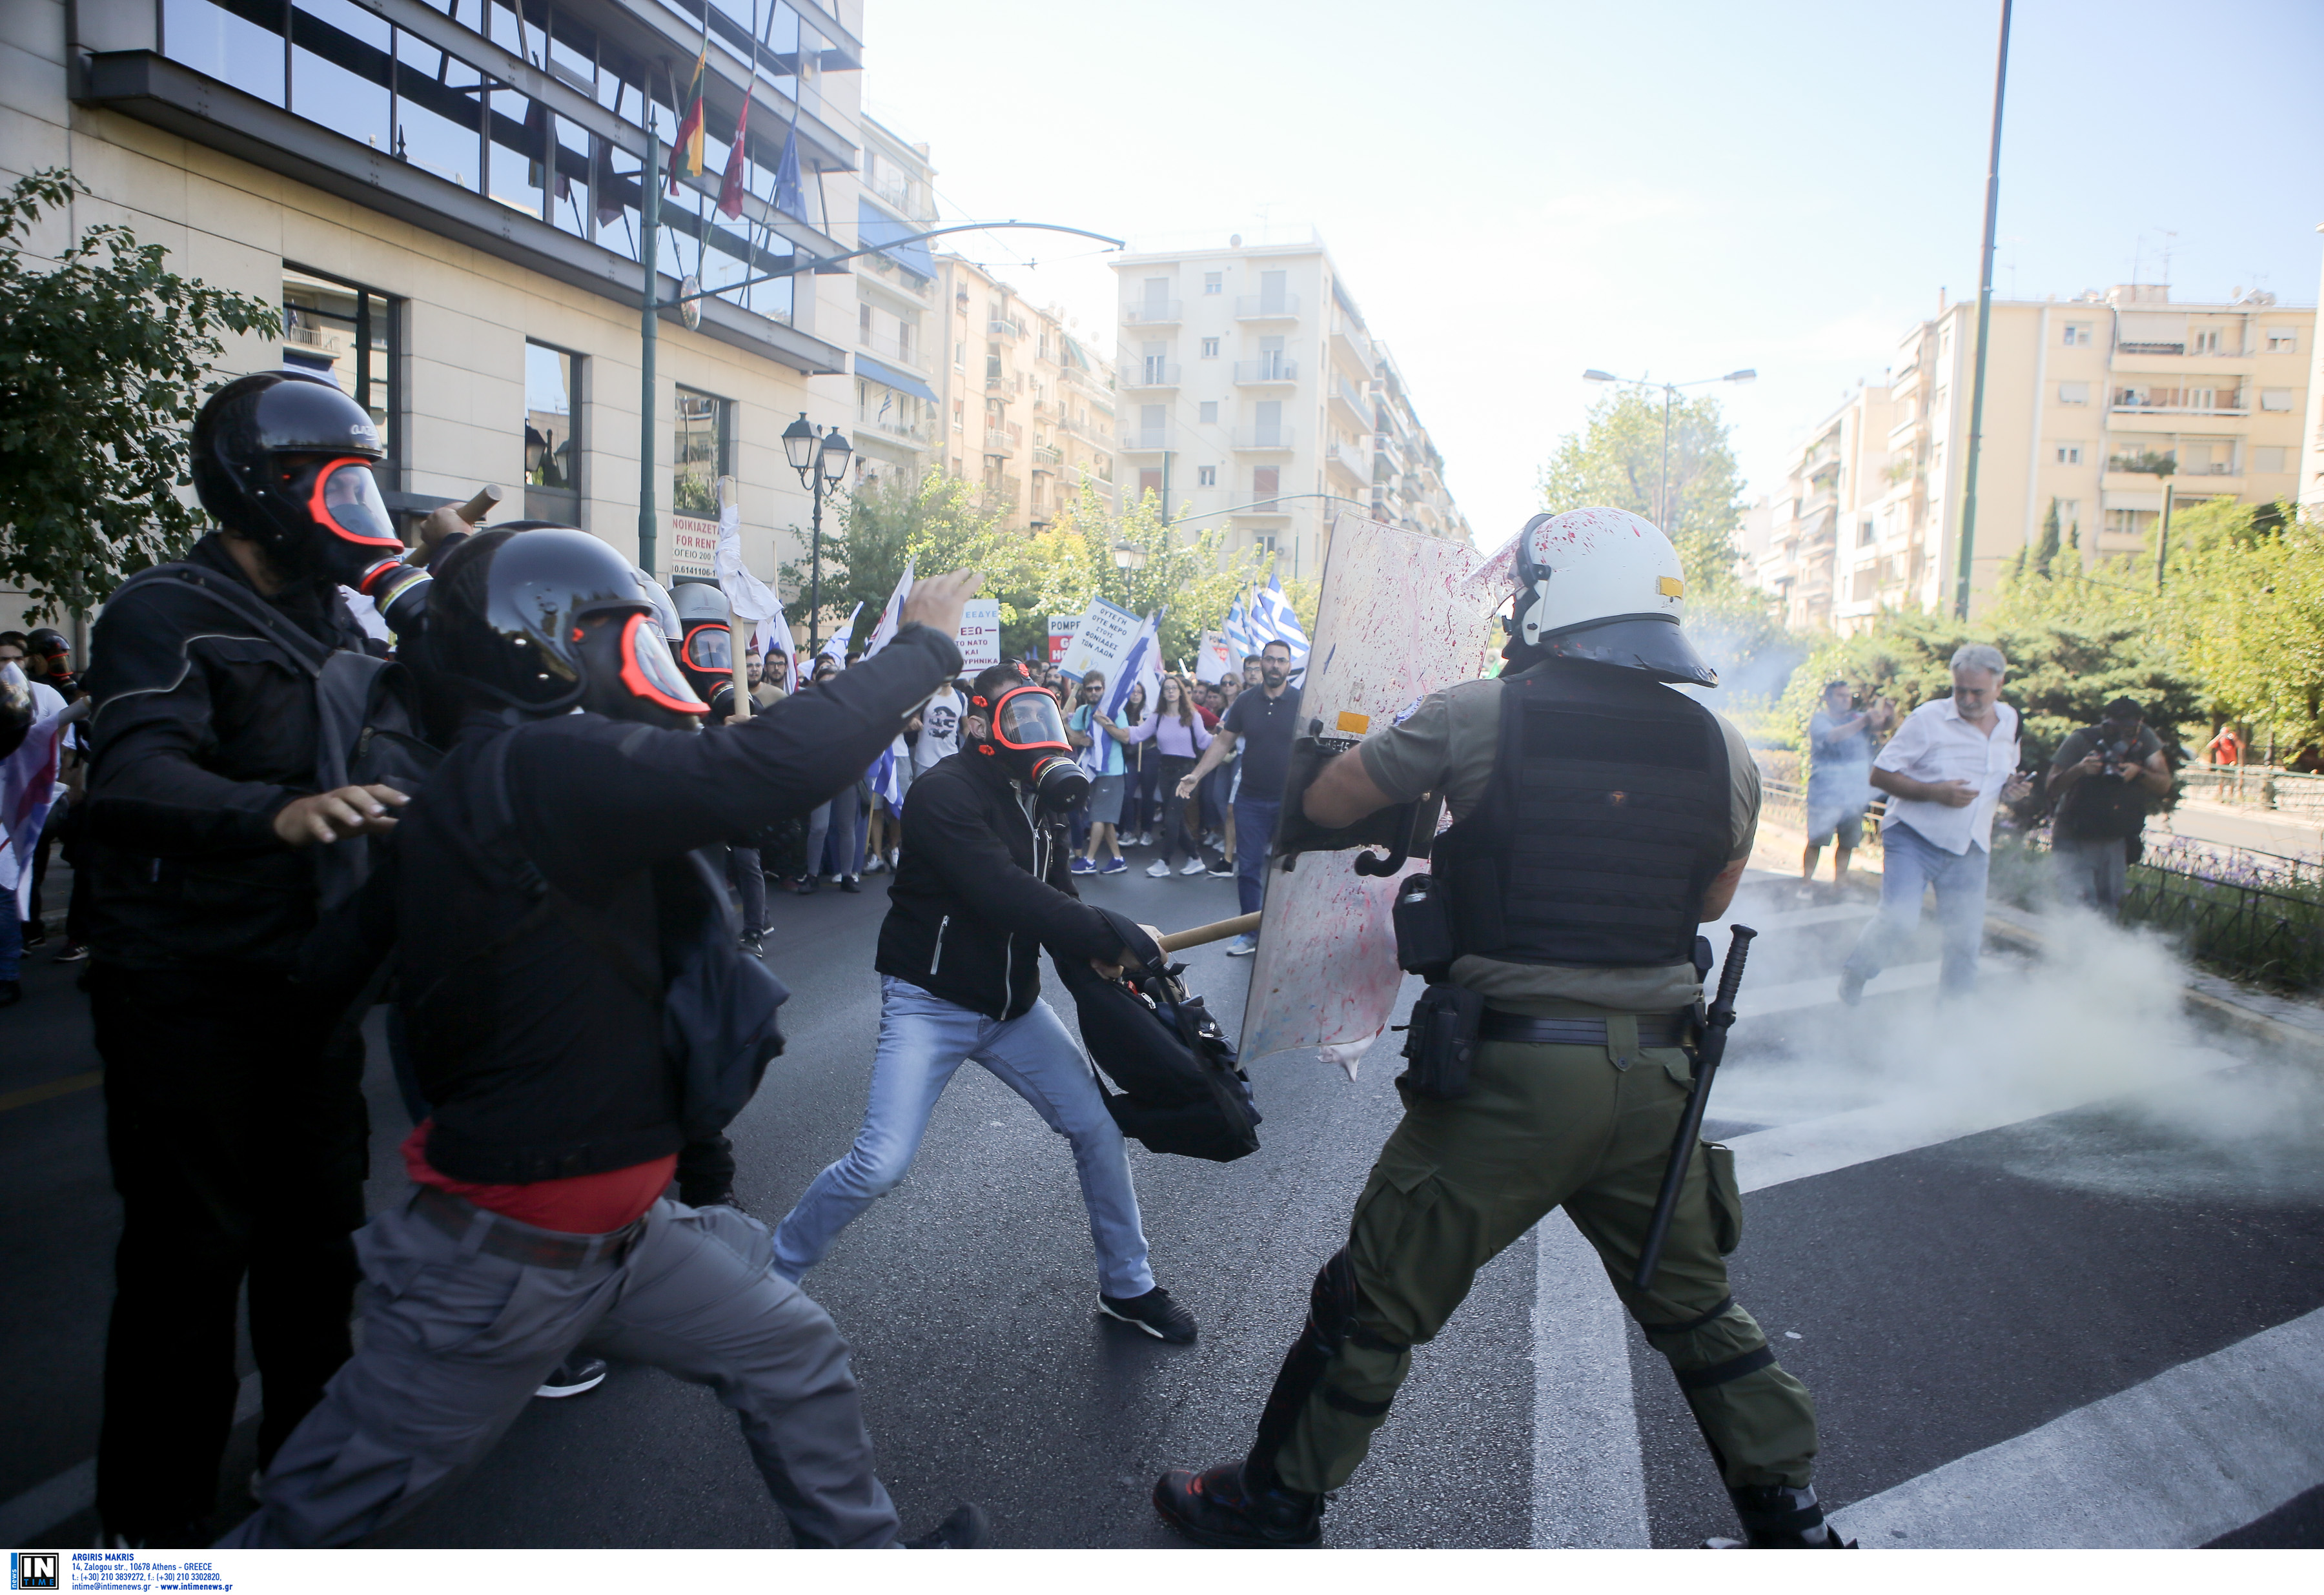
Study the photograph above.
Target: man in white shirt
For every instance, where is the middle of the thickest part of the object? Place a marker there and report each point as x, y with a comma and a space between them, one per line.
1947, 769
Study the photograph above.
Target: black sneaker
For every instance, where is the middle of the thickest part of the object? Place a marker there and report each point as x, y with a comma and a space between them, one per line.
1224, 869
34, 934
755, 943
966, 1529
1154, 1313
573, 1376
1776, 1517
1213, 1508
849, 883
806, 886
73, 954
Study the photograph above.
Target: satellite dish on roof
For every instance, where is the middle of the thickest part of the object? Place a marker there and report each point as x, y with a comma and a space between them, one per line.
689, 302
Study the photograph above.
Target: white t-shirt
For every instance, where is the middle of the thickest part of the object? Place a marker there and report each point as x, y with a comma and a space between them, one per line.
939, 729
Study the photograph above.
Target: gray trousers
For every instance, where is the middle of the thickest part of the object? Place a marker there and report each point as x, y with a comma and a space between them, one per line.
456, 1341
2092, 873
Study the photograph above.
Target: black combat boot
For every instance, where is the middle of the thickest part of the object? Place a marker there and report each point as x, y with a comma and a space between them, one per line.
1217, 1508
1777, 1517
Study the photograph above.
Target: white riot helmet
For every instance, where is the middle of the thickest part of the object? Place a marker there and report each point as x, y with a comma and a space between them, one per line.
1602, 584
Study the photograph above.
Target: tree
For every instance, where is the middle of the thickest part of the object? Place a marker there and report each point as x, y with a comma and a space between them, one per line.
1618, 460
2046, 554
1188, 574
935, 522
104, 360
2242, 601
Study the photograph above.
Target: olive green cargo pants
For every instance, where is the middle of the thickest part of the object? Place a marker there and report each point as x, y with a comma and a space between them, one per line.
1588, 1128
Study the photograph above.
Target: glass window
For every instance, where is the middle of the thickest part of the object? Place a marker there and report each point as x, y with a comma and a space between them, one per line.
1209, 412
1210, 348
701, 451
217, 43
339, 71
1213, 282
353, 334
436, 111
2073, 392
1206, 476
552, 434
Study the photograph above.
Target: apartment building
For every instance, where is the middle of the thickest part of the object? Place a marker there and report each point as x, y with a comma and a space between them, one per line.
1027, 411
897, 311
444, 200
1253, 391
2109, 407
2311, 435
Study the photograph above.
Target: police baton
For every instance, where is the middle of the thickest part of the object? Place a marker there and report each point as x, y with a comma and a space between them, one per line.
1708, 1051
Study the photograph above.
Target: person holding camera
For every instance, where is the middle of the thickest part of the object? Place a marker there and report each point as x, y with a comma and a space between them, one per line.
1840, 738
2104, 781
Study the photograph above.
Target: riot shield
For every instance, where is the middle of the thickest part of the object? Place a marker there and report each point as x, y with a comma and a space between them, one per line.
1399, 617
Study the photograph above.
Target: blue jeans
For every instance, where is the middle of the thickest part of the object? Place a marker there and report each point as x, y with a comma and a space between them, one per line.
923, 1038
12, 936
1910, 864
840, 824
1254, 828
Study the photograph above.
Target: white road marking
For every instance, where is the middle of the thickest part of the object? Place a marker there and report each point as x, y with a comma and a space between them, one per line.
1823, 990
26, 1518
1787, 1152
1588, 1473
2177, 1462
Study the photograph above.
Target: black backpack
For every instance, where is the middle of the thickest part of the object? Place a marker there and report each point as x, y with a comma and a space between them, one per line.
1181, 1090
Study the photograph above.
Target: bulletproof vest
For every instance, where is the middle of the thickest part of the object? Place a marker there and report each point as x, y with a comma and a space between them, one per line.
1605, 821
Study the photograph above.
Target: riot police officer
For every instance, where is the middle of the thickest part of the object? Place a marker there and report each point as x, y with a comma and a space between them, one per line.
1600, 816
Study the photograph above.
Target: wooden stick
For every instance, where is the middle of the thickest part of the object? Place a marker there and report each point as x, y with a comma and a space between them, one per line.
1217, 931
486, 501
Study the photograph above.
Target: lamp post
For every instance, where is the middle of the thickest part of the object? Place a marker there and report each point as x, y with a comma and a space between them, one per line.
1670, 393
821, 463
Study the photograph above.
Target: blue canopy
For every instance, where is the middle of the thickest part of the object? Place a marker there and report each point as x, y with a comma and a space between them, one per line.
877, 228
903, 382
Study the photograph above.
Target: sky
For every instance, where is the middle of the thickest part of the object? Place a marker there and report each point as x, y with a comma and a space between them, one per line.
1515, 192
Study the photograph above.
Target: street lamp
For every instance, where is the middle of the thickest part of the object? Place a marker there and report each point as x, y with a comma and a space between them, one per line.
821, 462
1670, 393
1128, 556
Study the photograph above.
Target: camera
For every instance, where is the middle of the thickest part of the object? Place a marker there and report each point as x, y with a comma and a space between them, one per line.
2112, 754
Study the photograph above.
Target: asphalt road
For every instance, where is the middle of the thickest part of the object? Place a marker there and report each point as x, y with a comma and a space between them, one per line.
1980, 1235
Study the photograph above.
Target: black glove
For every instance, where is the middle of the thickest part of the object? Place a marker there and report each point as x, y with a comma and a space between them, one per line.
1136, 946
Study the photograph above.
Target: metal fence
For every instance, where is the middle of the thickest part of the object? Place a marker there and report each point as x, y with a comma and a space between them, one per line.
2249, 921
2257, 785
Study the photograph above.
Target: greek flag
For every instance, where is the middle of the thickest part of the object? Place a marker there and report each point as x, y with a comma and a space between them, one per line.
1276, 616
1142, 663
834, 647
1240, 643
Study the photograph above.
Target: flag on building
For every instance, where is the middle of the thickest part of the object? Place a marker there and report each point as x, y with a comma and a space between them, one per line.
685, 145
788, 198
738, 165
892, 617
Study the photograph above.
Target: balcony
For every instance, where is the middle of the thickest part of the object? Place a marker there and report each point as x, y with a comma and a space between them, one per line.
1346, 394
1048, 456
1350, 457
1388, 453
1150, 313
1000, 442
1144, 439
1358, 344
1257, 439
1003, 327
918, 434
1267, 307
2157, 400
1265, 371
1150, 373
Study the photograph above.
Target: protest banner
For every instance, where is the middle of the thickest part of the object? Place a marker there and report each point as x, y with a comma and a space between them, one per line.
1061, 634
1101, 640
980, 635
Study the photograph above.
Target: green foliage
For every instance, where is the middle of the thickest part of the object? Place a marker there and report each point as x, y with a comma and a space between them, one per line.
2045, 553
2242, 604
936, 521
1618, 460
104, 360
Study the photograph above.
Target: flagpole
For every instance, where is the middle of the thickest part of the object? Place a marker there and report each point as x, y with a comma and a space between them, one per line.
649, 224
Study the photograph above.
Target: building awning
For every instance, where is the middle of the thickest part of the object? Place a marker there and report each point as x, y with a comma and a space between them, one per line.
903, 382
2115, 499
876, 227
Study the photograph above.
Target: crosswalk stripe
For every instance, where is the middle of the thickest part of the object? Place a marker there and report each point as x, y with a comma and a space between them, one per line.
1589, 1474
2193, 1452
1812, 1147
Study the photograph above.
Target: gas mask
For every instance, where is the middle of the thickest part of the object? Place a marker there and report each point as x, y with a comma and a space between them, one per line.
630, 675
1028, 735
707, 657
353, 540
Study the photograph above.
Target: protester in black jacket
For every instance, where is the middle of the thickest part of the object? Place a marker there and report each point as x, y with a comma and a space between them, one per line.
982, 888
234, 1112
578, 1012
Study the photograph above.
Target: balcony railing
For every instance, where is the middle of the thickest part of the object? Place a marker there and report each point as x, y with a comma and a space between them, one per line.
1275, 368
1150, 313
1150, 373
1003, 327
2185, 400
1004, 438
1048, 456
1259, 438
1346, 393
1144, 440
1266, 306
1349, 459
2124, 348
916, 432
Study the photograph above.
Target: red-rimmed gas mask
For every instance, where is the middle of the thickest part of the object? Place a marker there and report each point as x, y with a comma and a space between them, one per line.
1027, 733
707, 657
633, 676
341, 499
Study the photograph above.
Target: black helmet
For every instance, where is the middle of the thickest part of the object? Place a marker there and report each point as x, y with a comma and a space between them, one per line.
506, 622
46, 643
285, 459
